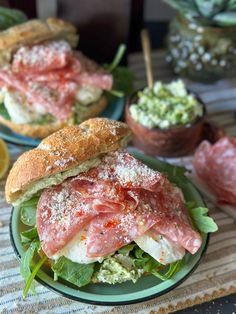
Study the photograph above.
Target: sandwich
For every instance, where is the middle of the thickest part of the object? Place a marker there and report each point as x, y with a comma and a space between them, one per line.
94, 209
44, 84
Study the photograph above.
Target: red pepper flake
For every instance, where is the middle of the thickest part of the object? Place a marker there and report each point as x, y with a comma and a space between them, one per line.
83, 238
129, 184
118, 245
79, 213
111, 223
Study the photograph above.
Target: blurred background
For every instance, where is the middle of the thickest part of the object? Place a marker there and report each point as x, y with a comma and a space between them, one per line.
103, 24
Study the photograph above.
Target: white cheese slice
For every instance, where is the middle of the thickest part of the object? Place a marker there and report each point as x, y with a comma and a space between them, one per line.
75, 250
161, 249
17, 109
88, 94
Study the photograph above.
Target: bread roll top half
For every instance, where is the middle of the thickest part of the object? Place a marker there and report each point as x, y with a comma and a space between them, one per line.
63, 154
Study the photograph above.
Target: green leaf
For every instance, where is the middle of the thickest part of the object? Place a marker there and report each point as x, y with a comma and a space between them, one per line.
116, 61
29, 235
125, 250
200, 219
28, 211
26, 261
11, 17
78, 274
35, 270
123, 80
4, 113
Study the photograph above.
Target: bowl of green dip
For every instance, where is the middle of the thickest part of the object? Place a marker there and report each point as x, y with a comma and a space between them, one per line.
167, 120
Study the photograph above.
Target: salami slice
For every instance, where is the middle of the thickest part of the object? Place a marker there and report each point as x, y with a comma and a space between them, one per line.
56, 97
41, 58
92, 74
63, 211
121, 205
215, 165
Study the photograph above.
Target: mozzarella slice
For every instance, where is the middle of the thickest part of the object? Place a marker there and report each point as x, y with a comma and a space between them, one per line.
75, 250
88, 94
163, 250
17, 109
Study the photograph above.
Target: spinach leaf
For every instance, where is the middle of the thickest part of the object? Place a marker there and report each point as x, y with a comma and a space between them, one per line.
78, 274
4, 113
11, 17
26, 261
201, 220
28, 211
29, 235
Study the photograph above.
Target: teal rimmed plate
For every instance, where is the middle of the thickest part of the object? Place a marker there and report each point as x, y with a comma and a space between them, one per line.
113, 111
147, 287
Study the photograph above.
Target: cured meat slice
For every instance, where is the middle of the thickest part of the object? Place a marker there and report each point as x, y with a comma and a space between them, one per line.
69, 72
92, 74
109, 232
63, 210
129, 172
215, 165
56, 97
172, 218
60, 214
119, 200
43, 57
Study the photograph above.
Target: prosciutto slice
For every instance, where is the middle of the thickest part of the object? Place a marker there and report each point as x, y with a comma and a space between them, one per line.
215, 165
118, 201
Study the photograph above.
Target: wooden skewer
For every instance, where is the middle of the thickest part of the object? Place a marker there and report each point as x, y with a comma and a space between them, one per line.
147, 57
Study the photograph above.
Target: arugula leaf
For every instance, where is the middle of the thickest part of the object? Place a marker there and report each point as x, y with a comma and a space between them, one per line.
35, 270
125, 250
143, 260
4, 113
173, 268
26, 261
11, 17
29, 235
78, 274
200, 219
28, 211
118, 56
123, 78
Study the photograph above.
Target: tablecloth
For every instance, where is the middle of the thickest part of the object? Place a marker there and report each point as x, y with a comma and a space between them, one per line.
215, 276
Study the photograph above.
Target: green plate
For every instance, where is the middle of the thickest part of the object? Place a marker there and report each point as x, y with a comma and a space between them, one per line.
147, 287
113, 111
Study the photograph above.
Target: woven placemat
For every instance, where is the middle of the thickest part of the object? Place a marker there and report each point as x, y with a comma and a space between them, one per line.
215, 276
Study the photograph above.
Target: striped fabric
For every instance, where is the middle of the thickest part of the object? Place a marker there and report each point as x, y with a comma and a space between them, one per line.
216, 275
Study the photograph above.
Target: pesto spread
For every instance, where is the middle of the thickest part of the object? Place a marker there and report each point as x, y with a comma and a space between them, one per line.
167, 105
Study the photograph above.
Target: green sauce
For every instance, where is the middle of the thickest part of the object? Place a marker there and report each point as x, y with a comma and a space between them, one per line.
166, 106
